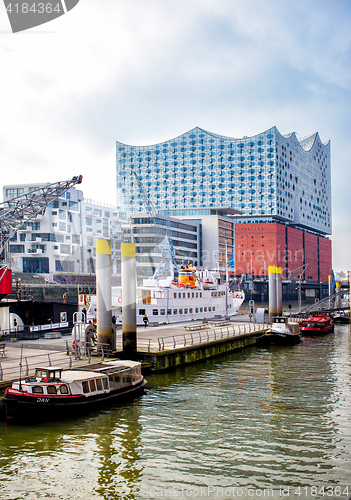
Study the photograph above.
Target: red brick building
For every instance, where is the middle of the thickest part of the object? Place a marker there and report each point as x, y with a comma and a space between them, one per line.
259, 245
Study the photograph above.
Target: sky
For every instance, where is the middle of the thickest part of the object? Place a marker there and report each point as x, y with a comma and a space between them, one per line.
145, 71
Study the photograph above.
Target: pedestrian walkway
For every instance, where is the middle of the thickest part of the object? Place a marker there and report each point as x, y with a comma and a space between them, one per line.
26, 355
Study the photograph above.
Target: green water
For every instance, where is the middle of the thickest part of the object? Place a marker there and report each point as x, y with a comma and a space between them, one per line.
264, 423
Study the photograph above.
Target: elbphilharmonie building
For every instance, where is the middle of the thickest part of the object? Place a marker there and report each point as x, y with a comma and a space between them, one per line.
265, 199
266, 177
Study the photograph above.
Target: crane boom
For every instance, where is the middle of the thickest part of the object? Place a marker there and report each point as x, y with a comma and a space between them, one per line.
20, 210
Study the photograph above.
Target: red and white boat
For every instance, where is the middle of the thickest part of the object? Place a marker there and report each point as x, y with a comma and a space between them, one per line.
319, 323
55, 393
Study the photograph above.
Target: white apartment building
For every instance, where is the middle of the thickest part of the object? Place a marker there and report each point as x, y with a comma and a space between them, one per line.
63, 240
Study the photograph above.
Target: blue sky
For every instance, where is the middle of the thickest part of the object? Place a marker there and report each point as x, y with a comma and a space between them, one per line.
143, 71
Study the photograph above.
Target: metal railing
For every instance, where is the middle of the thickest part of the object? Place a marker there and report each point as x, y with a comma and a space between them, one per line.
64, 359
197, 337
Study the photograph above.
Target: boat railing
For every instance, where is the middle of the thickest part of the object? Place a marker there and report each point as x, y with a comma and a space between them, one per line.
199, 336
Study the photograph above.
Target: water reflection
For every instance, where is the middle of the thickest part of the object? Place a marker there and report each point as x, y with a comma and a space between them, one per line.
262, 418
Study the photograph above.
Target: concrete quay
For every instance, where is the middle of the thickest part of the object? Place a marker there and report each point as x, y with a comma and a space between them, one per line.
160, 347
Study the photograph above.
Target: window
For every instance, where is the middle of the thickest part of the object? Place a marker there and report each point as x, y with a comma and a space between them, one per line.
62, 215
105, 382
180, 311
155, 312
64, 389
85, 387
175, 311
51, 389
37, 389
16, 248
163, 312
99, 384
62, 226
92, 385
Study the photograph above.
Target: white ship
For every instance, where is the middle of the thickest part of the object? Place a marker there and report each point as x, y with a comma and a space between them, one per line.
196, 295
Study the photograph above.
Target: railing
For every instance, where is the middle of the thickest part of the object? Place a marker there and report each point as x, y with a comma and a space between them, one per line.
196, 337
68, 359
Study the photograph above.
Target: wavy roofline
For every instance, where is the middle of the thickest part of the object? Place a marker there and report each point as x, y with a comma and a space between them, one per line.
306, 143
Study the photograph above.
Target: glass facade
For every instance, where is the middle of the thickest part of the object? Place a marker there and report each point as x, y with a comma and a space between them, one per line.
267, 175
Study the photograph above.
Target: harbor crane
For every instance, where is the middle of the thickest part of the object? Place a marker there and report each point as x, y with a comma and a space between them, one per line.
168, 263
17, 212
302, 269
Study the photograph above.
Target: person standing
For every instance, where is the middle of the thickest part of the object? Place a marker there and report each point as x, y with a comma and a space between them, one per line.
146, 320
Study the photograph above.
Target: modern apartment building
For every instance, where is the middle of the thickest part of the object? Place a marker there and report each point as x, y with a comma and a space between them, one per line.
63, 240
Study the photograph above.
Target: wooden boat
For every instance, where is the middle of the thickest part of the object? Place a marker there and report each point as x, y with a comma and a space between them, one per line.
319, 323
55, 393
280, 334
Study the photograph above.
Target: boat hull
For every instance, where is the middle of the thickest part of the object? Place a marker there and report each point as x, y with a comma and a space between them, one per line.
306, 331
25, 408
279, 339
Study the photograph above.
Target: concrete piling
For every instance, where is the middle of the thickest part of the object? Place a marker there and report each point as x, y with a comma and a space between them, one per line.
104, 292
275, 291
128, 276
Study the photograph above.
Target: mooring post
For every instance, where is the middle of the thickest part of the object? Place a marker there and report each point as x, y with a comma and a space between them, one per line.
128, 276
104, 292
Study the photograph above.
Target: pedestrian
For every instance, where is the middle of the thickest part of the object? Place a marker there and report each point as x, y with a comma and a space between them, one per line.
146, 320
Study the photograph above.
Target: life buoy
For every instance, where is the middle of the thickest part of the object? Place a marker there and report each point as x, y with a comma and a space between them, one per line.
237, 296
74, 345
179, 285
119, 300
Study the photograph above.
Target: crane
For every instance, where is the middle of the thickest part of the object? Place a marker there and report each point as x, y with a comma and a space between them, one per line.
16, 212
302, 269
168, 263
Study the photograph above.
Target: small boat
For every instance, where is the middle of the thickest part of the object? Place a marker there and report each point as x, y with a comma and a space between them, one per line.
55, 393
319, 323
280, 334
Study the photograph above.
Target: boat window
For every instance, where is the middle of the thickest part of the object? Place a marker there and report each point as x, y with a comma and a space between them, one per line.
201, 309
197, 295
180, 311
163, 312
175, 311
191, 310
188, 295
155, 312
193, 295
196, 309
185, 311
85, 386
205, 309
141, 312
63, 389
99, 384
179, 295
105, 382
169, 312
175, 295
92, 385
51, 389
37, 389
200, 294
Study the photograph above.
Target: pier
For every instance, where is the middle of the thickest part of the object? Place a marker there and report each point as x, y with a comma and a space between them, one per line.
161, 347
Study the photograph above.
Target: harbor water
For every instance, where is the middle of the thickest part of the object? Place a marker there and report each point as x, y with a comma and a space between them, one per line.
263, 423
